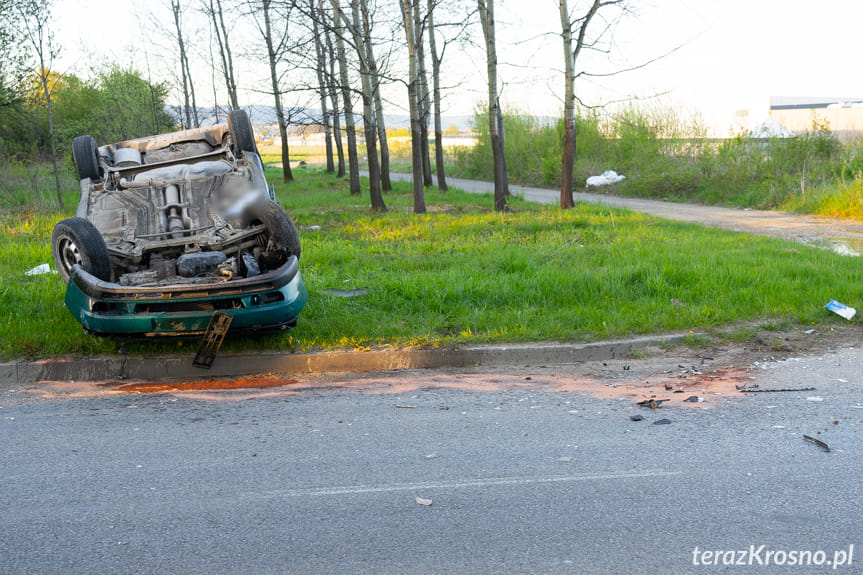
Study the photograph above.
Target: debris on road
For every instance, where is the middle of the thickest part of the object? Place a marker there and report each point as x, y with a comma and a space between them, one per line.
662, 422
757, 389
214, 335
840, 309
636, 417
652, 403
813, 398
406, 406
817, 442
694, 399
425, 502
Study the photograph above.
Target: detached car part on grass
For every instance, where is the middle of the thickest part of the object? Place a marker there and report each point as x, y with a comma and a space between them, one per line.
173, 227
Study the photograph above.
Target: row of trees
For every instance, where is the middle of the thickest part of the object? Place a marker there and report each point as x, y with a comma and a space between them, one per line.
326, 54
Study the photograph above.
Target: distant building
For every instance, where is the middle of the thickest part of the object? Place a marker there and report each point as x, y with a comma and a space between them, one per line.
844, 116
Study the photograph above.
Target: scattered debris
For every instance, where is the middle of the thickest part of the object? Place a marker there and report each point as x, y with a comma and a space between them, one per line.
814, 398
668, 387
311, 228
40, 270
406, 406
694, 399
817, 442
431, 455
840, 309
636, 417
757, 389
662, 422
212, 340
652, 403
426, 502
857, 407
564, 459
345, 292
840, 380
809, 331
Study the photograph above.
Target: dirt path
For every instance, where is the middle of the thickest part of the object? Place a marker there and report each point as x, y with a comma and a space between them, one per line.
843, 236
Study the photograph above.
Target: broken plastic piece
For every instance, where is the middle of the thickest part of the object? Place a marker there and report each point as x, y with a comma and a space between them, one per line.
426, 502
662, 422
636, 417
212, 341
840, 309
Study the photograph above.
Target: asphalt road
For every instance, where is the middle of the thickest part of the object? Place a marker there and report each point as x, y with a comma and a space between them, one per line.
324, 478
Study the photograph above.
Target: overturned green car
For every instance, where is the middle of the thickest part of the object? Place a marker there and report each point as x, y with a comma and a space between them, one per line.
173, 228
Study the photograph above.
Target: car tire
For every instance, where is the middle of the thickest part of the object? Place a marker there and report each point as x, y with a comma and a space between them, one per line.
241, 132
86, 157
77, 241
281, 228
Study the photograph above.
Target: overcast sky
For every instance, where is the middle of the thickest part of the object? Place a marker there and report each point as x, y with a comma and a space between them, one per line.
731, 55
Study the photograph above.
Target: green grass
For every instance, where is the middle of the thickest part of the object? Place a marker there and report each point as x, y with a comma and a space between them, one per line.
466, 274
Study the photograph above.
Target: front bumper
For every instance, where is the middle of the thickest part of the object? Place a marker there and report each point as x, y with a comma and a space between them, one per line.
269, 301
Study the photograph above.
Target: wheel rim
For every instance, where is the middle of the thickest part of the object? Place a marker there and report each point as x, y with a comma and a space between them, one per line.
69, 254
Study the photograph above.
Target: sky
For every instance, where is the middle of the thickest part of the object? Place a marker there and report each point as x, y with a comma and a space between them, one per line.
719, 59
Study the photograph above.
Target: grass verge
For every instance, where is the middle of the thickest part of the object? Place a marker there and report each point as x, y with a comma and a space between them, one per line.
466, 274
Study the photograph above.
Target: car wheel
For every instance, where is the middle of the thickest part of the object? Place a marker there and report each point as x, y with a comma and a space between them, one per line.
241, 132
86, 157
280, 226
77, 241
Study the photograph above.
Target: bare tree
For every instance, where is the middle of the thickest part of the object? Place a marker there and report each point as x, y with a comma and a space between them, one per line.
190, 106
438, 129
275, 49
35, 16
332, 89
573, 27
353, 161
495, 118
422, 91
414, 104
356, 28
381, 126
213, 9
321, 70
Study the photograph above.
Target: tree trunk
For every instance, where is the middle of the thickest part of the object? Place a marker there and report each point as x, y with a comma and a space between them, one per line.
568, 161
422, 94
416, 148
334, 99
438, 130
386, 185
187, 104
287, 174
353, 161
322, 90
501, 187
225, 51
369, 124
570, 54
49, 101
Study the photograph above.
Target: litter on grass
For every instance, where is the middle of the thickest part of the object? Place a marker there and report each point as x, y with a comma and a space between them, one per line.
840, 309
40, 270
606, 179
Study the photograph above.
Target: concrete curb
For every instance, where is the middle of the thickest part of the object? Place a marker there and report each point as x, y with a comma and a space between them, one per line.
113, 368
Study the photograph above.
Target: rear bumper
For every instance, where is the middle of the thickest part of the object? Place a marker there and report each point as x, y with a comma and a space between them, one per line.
269, 301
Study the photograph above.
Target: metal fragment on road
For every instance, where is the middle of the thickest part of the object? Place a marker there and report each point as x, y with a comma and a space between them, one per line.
636, 417
817, 442
662, 422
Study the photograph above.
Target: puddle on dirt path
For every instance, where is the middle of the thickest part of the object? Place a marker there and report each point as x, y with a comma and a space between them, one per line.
673, 389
